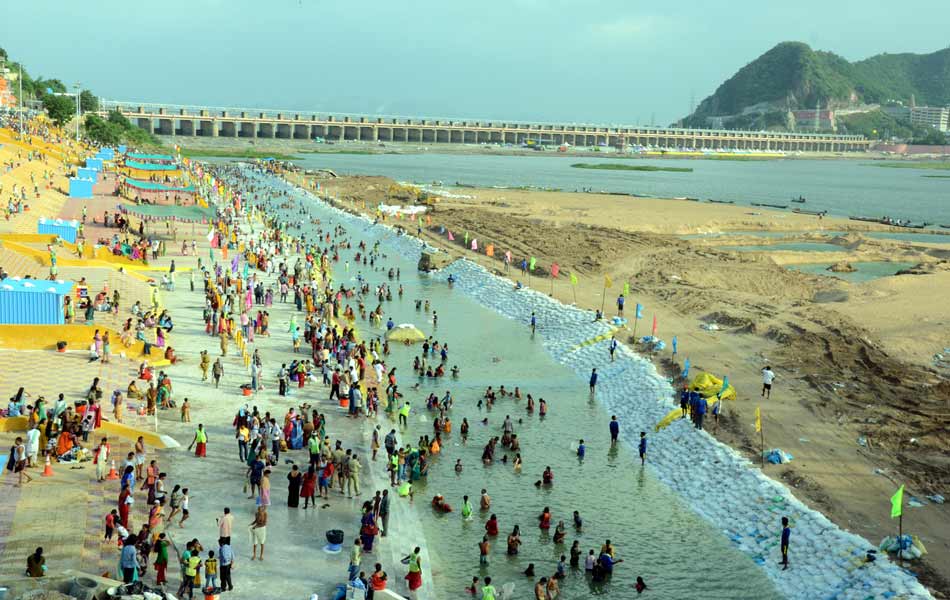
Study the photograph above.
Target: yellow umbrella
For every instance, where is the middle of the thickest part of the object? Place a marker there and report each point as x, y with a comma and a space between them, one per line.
405, 332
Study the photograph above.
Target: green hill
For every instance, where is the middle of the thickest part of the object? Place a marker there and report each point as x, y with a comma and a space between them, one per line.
793, 76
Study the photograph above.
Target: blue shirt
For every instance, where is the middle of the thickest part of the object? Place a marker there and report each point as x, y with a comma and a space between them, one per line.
786, 534
701, 406
128, 560
643, 445
615, 428
225, 555
593, 378
581, 450
620, 301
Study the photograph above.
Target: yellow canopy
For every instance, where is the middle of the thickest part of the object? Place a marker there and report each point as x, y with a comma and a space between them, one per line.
708, 387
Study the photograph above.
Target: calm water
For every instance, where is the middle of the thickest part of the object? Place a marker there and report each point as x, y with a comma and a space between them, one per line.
659, 538
796, 247
866, 271
923, 238
842, 187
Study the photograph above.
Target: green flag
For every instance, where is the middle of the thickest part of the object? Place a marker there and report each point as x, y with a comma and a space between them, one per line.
533, 262
466, 238
897, 503
626, 288
573, 279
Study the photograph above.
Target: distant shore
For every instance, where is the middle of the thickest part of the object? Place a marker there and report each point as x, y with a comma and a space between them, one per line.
274, 148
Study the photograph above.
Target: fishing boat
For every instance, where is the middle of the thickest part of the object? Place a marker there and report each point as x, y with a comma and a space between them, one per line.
783, 206
802, 211
903, 225
721, 201
799, 200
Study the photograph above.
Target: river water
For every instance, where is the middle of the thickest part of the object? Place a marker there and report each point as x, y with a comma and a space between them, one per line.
698, 521
660, 538
842, 187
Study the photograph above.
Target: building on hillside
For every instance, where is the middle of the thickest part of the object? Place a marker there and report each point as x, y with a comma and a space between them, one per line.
815, 120
897, 112
7, 99
933, 117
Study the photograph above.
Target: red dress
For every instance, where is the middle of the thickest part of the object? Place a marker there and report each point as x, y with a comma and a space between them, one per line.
309, 486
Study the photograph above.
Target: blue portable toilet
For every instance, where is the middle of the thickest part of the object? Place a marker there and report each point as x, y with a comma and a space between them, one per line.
33, 301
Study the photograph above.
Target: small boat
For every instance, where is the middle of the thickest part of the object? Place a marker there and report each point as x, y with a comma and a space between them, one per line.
802, 211
783, 206
799, 200
945, 226
721, 201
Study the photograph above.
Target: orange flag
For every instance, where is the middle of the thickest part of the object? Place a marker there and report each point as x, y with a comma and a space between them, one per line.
490, 250
428, 219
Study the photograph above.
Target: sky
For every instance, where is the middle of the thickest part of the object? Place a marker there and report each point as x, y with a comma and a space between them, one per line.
576, 61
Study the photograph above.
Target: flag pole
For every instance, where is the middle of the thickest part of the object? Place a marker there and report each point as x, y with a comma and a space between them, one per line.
552, 286
636, 321
762, 444
900, 536
603, 301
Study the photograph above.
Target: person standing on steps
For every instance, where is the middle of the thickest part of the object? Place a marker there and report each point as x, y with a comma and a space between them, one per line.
534, 323
768, 376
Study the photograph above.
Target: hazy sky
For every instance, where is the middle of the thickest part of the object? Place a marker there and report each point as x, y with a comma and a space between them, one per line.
603, 61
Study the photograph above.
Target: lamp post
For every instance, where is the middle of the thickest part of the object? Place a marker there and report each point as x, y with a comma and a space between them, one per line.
78, 109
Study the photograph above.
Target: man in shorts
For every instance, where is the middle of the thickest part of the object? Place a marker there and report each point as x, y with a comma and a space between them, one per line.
768, 376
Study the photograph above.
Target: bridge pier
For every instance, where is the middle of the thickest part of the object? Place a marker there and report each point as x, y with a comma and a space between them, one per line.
228, 129
186, 127
283, 131
165, 127
265, 131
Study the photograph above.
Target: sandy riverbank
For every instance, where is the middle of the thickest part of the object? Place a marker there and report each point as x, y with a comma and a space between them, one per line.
844, 371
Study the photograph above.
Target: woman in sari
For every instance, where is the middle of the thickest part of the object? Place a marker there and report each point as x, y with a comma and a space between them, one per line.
294, 483
368, 530
309, 487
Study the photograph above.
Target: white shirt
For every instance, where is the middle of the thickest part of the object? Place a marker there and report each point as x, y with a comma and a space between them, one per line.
33, 441
767, 376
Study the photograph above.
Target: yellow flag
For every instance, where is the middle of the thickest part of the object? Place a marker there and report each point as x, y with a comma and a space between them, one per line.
758, 420
607, 281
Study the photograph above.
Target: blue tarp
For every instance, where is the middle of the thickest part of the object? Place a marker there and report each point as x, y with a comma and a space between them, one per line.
64, 229
87, 173
122, 149
32, 301
80, 188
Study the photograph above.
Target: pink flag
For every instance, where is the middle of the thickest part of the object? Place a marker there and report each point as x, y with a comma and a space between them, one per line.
654, 325
555, 269
475, 244
508, 256
451, 237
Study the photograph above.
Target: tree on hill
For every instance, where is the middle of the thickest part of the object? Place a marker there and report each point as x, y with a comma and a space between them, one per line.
60, 108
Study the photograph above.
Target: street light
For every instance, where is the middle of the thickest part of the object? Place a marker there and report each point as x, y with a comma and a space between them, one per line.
78, 109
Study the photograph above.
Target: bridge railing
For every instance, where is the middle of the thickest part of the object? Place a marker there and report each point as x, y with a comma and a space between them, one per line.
165, 110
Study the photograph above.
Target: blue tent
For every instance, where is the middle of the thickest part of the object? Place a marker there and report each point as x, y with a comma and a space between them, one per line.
65, 229
86, 173
80, 188
32, 301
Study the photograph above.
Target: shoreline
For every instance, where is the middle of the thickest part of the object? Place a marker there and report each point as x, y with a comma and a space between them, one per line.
576, 321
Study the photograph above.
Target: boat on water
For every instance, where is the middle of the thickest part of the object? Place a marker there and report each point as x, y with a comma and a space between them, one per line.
803, 211
799, 200
721, 201
782, 206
